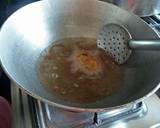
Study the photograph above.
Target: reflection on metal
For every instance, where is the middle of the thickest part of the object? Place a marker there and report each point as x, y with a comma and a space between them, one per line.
155, 126
38, 34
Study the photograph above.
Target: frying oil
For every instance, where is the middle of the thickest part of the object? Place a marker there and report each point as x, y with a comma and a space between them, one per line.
77, 70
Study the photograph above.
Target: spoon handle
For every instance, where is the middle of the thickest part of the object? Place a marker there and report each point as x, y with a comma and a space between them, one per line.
145, 44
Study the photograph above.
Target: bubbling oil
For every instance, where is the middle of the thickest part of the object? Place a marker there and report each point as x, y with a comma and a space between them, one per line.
77, 70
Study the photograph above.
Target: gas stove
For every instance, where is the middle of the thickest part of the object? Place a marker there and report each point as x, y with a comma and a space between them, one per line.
32, 113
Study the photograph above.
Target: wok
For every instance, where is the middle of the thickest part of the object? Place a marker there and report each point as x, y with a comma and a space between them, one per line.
28, 31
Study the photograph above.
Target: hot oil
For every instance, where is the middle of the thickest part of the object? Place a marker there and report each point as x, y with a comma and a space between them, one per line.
76, 70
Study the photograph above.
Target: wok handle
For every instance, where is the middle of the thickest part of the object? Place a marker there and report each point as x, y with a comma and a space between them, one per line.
145, 44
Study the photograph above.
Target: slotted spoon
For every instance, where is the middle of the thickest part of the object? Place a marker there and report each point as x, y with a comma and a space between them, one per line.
118, 43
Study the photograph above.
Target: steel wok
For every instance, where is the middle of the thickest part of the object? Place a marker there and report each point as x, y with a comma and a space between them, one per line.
28, 31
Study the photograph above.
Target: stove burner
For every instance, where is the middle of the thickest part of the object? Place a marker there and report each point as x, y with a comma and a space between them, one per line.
64, 119
29, 112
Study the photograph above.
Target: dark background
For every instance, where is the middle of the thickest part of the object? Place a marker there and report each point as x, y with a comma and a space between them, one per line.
7, 7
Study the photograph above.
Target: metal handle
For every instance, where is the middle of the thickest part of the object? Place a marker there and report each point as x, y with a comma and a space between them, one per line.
145, 44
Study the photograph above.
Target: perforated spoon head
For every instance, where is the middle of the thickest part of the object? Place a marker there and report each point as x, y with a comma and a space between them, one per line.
114, 38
